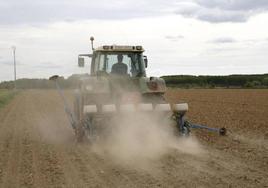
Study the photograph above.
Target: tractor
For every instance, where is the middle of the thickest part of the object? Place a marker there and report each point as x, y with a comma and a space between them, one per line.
117, 85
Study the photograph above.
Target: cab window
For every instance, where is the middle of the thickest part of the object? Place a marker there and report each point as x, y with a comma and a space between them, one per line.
133, 61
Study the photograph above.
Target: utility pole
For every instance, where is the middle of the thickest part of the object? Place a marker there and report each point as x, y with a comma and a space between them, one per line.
14, 57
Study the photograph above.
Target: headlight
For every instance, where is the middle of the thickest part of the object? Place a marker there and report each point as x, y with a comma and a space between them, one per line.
138, 47
106, 47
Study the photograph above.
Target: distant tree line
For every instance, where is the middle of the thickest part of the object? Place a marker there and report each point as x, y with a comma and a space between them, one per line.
183, 81
231, 81
33, 83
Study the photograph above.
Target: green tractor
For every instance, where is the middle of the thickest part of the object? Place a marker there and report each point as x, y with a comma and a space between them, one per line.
117, 86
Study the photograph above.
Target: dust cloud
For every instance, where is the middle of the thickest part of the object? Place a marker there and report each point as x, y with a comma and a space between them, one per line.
54, 129
140, 139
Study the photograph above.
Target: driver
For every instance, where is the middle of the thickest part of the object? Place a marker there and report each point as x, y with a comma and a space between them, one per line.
119, 67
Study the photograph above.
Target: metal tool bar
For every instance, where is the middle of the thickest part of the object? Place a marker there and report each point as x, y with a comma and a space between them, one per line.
185, 126
67, 109
221, 131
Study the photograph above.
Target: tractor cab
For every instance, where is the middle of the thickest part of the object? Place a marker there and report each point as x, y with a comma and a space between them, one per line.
122, 69
117, 61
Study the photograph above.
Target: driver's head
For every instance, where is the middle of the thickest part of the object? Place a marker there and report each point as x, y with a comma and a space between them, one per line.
120, 58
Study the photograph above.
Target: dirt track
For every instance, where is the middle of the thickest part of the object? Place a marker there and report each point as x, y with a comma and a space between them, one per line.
37, 147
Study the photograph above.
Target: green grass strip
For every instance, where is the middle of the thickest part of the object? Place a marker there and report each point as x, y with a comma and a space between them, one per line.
6, 96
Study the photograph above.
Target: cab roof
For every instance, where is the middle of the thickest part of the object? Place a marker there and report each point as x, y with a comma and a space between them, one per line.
120, 48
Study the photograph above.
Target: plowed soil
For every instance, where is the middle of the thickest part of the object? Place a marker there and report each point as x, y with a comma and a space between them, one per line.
38, 148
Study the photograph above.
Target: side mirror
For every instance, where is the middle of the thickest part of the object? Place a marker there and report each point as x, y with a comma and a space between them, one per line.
81, 62
145, 61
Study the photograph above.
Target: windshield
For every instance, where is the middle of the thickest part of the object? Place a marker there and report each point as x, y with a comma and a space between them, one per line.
123, 63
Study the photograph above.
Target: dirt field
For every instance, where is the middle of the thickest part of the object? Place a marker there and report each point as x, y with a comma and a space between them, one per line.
37, 146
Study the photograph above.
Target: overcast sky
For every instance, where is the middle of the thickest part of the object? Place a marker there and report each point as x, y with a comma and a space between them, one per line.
197, 37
